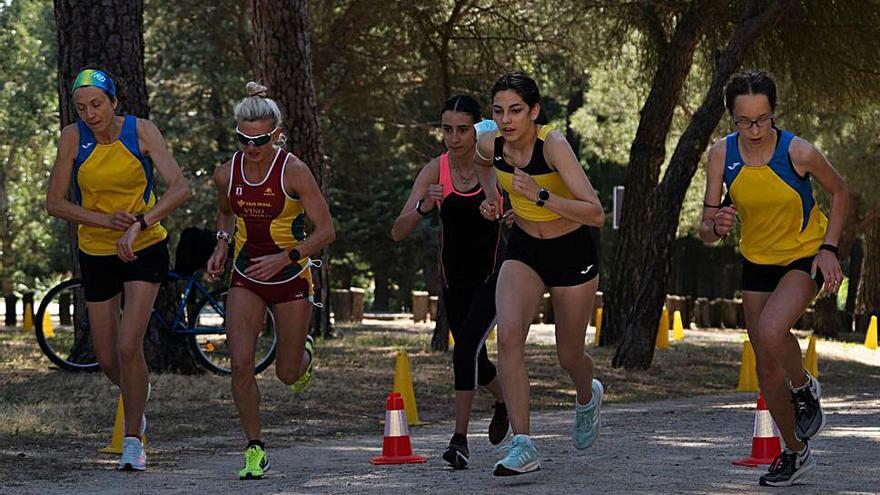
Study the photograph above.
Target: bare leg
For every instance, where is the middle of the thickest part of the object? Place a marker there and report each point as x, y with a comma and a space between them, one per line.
245, 315
571, 307
517, 296
139, 299
770, 317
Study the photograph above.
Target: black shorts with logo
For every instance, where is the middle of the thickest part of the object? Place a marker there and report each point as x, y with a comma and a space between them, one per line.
765, 278
103, 276
564, 261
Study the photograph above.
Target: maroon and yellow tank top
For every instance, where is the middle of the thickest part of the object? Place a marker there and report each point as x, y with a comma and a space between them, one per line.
267, 218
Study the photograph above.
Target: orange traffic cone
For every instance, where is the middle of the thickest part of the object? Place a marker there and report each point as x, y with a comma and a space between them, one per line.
766, 444
396, 448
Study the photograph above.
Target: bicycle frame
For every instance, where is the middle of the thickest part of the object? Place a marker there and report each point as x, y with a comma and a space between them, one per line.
178, 326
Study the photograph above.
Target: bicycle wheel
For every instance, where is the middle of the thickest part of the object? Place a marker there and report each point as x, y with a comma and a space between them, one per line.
62, 328
211, 348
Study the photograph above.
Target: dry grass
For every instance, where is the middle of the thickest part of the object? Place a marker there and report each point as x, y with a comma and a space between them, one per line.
41, 406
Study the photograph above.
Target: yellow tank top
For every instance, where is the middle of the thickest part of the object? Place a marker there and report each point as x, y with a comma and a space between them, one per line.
780, 220
537, 167
113, 177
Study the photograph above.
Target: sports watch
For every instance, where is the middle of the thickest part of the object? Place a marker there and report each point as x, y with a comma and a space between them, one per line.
543, 196
294, 255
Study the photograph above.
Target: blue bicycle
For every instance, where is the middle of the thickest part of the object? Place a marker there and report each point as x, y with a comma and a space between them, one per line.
62, 325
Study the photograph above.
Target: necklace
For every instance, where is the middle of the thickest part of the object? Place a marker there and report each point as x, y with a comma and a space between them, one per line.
466, 180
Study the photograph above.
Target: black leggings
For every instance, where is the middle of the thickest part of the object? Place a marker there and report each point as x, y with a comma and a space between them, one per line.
470, 311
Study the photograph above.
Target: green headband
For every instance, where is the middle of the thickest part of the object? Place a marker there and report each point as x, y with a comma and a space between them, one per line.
96, 78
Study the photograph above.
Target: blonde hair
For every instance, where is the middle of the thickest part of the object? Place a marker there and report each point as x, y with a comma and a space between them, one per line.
257, 106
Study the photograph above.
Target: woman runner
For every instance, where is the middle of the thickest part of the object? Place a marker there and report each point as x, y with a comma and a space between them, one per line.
789, 251
123, 250
469, 246
264, 195
552, 244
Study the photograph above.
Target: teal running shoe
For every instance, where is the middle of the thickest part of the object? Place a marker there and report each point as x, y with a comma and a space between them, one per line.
521, 458
587, 419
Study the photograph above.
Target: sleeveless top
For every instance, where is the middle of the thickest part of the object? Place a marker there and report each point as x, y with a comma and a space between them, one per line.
113, 177
468, 242
780, 220
267, 219
539, 170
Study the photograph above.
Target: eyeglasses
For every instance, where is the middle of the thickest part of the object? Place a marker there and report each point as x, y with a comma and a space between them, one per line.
258, 140
746, 124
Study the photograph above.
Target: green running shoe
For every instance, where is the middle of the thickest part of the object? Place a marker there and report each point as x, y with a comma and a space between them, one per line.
256, 463
302, 384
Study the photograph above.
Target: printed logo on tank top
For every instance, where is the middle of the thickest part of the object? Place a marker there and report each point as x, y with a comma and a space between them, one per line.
238, 190
268, 192
257, 210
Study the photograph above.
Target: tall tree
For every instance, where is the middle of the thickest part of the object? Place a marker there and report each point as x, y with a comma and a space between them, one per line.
281, 38
651, 209
110, 34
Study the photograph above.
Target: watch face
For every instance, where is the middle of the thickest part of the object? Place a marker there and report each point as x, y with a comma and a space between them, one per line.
543, 195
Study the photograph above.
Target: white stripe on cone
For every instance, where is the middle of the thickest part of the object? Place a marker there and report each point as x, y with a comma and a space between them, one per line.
395, 424
765, 427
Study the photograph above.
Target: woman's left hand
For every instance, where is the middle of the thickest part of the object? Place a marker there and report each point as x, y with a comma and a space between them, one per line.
124, 244
524, 184
827, 264
266, 267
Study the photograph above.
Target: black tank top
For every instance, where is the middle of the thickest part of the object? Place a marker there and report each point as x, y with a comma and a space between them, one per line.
469, 244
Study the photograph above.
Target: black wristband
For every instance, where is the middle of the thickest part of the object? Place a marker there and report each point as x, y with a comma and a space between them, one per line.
140, 220
419, 208
828, 247
716, 232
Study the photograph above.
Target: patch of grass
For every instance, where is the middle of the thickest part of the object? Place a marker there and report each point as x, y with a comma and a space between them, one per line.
73, 413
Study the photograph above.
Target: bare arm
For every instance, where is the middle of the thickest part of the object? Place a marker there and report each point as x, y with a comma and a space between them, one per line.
807, 159
153, 145
491, 207
585, 208
409, 217
716, 221
57, 203
299, 180
225, 220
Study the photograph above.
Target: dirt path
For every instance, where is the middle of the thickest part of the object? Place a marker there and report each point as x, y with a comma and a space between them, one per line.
679, 446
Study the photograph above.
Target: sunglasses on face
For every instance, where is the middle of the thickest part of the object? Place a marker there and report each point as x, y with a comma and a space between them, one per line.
258, 140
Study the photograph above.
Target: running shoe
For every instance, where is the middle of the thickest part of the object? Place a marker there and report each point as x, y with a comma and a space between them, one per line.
521, 458
809, 419
457, 452
302, 383
133, 456
499, 425
587, 419
788, 467
256, 463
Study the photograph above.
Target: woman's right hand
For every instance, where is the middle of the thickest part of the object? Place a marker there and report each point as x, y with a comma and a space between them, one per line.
724, 220
433, 195
121, 220
217, 261
490, 209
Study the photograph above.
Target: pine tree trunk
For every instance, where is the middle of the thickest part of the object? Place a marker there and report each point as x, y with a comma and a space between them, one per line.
639, 327
109, 34
868, 296
282, 42
647, 154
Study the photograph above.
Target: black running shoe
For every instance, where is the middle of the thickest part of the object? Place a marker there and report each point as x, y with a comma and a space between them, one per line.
808, 416
500, 424
457, 453
788, 467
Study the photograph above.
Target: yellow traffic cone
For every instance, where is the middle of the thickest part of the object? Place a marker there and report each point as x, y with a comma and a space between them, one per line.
598, 327
677, 326
748, 372
48, 332
115, 445
28, 317
403, 385
871, 336
662, 341
811, 359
